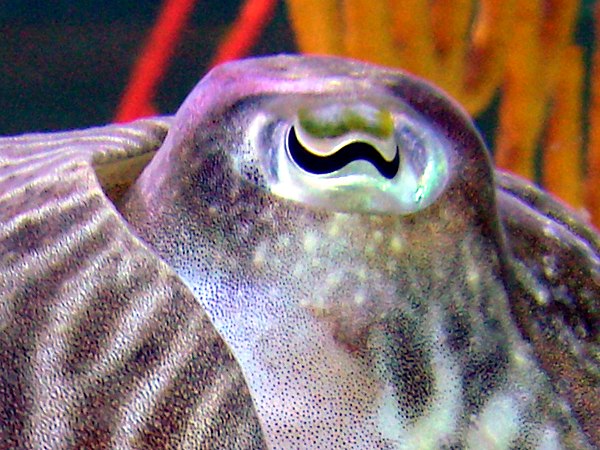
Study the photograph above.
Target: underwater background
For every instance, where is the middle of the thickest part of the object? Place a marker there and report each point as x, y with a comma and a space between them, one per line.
65, 64
523, 68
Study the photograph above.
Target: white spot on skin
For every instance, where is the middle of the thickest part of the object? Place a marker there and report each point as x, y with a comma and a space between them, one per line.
283, 241
472, 274
497, 426
377, 236
541, 294
396, 244
333, 279
390, 423
310, 242
299, 269
549, 440
333, 229
359, 298
260, 255
519, 359
473, 279
548, 230
549, 266
362, 274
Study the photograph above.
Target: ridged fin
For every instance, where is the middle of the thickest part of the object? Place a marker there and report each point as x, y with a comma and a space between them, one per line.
101, 344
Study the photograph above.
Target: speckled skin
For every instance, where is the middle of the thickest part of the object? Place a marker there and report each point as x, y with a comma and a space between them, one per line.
208, 307
353, 330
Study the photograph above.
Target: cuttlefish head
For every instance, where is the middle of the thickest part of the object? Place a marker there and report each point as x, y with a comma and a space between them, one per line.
333, 134
337, 222
323, 149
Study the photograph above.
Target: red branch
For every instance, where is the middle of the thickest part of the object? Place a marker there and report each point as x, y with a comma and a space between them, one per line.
246, 30
152, 64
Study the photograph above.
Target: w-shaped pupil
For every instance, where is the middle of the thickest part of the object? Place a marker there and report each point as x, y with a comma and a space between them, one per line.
354, 151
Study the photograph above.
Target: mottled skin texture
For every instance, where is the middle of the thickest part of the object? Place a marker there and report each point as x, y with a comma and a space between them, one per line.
465, 319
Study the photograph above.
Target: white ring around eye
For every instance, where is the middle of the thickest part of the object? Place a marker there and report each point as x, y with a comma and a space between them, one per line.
358, 186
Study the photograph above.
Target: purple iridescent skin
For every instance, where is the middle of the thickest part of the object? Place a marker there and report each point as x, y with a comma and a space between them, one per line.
361, 269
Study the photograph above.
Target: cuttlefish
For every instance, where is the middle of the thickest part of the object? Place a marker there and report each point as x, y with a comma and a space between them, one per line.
314, 253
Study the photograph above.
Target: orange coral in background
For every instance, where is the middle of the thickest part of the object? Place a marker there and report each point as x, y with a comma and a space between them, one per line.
593, 158
436, 40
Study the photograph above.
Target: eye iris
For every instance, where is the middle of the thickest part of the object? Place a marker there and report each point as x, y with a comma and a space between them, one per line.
354, 151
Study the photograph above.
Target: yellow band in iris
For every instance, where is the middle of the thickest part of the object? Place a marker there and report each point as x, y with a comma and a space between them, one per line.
380, 124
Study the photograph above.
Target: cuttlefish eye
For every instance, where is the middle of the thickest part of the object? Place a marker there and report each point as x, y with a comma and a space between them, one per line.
372, 155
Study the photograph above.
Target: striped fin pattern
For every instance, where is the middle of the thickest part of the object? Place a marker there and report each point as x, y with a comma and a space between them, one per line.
101, 344
557, 261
